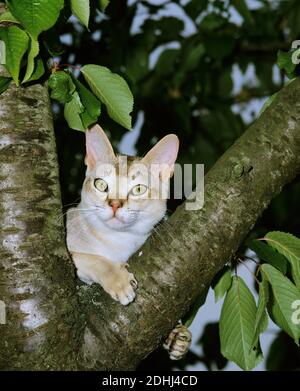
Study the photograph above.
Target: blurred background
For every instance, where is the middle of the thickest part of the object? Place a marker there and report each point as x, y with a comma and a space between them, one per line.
201, 69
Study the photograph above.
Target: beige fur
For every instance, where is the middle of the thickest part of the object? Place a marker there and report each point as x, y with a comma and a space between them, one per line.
107, 227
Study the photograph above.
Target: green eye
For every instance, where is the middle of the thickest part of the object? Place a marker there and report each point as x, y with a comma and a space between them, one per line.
101, 185
138, 190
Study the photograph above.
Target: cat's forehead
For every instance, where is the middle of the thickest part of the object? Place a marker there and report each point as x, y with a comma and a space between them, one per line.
124, 165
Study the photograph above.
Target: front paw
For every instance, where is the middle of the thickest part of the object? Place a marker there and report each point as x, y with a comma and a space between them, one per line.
122, 286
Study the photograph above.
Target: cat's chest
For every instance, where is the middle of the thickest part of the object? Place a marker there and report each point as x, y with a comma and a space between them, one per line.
118, 246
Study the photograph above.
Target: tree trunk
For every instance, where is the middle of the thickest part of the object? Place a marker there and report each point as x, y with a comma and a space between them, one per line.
52, 326
36, 275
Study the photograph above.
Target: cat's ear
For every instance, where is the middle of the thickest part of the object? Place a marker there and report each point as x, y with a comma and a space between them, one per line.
98, 147
164, 155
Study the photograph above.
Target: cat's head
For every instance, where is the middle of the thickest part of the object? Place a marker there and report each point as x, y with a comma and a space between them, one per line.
127, 193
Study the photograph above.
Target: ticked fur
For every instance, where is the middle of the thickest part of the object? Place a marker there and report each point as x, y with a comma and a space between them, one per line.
108, 226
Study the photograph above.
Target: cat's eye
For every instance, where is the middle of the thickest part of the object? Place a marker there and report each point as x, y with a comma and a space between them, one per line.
138, 190
100, 184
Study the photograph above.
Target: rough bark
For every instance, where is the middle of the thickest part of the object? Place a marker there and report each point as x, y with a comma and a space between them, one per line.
47, 327
36, 276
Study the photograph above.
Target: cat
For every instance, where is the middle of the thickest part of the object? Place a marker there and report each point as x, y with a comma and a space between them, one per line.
120, 204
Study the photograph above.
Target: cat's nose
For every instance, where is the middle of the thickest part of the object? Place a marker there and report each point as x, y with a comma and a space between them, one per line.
115, 204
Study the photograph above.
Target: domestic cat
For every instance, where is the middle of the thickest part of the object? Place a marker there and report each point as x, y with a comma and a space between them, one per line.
120, 204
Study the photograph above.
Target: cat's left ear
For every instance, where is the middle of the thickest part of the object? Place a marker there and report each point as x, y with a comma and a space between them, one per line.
164, 155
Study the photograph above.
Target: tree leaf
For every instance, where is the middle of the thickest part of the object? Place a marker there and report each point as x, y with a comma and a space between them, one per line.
112, 90
38, 71
103, 4
289, 246
36, 16
268, 103
284, 295
4, 83
188, 318
284, 61
261, 320
81, 9
62, 86
72, 112
16, 43
91, 104
33, 52
243, 10
268, 254
8, 17
237, 324
221, 283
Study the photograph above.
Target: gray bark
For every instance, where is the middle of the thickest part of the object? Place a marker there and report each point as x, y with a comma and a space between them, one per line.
53, 325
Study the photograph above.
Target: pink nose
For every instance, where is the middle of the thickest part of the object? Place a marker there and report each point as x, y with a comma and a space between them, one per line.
115, 204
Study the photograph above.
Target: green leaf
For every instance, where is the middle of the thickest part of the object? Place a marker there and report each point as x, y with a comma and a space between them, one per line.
191, 314
261, 321
268, 102
284, 295
112, 90
33, 52
62, 86
243, 10
237, 324
284, 61
222, 284
16, 43
36, 15
103, 4
81, 9
90, 102
8, 17
38, 71
289, 246
4, 83
73, 111
268, 254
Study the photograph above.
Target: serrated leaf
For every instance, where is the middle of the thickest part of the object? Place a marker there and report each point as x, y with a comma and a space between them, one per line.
36, 15
222, 283
237, 323
90, 102
103, 4
73, 111
62, 86
188, 318
261, 320
289, 246
112, 90
4, 83
33, 52
270, 255
81, 9
8, 17
38, 71
16, 43
284, 295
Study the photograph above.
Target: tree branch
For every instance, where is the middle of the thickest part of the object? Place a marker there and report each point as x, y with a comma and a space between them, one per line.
180, 262
52, 326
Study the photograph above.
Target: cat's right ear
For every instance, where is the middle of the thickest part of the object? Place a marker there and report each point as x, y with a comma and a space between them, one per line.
98, 148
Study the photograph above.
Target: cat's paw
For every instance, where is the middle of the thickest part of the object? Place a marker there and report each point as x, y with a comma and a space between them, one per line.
178, 342
122, 286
